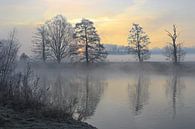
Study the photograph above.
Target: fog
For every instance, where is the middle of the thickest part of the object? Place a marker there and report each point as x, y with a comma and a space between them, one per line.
119, 65
119, 95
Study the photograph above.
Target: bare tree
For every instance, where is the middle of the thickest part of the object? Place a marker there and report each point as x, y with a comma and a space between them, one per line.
60, 37
138, 43
41, 43
89, 47
174, 51
8, 53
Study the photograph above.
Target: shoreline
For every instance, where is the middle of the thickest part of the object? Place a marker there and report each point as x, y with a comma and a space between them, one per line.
156, 67
11, 119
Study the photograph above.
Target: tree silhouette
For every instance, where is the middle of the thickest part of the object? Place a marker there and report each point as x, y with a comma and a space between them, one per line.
41, 43
90, 49
174, 51
138, 43
60, 37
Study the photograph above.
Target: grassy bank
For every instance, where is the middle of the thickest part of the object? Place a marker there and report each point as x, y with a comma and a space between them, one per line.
24, 104
28, 119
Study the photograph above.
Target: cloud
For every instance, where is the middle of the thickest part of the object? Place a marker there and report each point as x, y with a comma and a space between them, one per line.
20, 12
85, 8
113, 18
153, 20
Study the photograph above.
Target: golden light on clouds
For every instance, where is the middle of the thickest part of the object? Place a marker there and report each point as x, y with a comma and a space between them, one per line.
112, 18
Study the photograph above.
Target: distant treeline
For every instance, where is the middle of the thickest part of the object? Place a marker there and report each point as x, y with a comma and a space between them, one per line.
114, 49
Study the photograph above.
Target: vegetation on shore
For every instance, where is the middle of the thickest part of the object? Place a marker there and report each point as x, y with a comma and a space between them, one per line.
23, 102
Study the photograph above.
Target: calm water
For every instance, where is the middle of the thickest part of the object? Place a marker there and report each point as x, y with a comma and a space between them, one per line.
120, 100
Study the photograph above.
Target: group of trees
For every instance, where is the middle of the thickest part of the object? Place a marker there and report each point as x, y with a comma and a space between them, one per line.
57, 39
139, 41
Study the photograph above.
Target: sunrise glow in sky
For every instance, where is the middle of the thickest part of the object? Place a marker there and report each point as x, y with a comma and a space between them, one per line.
112, 18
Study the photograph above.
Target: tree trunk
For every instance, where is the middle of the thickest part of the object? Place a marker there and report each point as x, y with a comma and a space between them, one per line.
138, 48
139, 55
86, 47
43, 45
175, 51
58, 59
43, 53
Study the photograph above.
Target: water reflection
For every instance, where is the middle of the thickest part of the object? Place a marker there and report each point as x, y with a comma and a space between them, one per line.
77, 94
174, 88
130, 100
138, 93
89, 95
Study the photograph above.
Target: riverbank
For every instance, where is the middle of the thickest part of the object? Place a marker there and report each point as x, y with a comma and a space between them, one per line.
11, 119
154, 67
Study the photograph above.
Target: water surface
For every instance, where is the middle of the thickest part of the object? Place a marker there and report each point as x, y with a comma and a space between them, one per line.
122, 100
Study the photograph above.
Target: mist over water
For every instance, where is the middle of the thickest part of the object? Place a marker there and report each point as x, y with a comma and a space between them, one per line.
154, 58
117, 99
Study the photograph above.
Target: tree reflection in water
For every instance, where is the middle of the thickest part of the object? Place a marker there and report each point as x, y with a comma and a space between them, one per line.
89, 95
174, 88
77, 94
138, 93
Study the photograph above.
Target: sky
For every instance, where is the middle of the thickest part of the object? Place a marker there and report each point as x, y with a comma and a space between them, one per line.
112, 18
